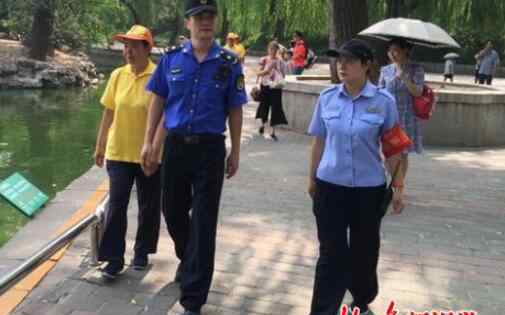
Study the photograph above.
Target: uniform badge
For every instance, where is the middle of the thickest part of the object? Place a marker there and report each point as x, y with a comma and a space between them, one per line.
176, 71
240, 84
222, 73
373, 110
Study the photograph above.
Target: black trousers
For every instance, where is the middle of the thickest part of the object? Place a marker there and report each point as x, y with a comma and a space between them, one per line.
271, 101
192, 180
346, 261
122, 175
485, 78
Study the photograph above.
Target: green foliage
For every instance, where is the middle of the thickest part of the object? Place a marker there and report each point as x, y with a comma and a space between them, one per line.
471, 22
84, 22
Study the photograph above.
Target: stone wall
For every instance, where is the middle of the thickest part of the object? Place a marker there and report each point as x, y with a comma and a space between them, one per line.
466, 115
60, 70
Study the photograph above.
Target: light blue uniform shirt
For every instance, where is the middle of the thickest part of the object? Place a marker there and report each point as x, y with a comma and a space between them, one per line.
352, 130
489, 62
198, 96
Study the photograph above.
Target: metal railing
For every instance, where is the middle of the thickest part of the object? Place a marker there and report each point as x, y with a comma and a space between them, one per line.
93, 220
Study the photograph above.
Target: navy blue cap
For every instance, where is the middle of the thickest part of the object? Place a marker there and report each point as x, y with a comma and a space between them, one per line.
353, 48
194, 7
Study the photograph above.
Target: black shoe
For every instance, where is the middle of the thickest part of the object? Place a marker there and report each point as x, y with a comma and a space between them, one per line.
274, 137
140, 261
261, 130
113, 268
363, 309
178, 273
190, 313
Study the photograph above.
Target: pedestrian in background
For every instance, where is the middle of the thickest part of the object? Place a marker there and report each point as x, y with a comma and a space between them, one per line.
404, 80
196, 87
299, 53
449, 69
233, 44
489, 62
119, 144
240, 49
347, 180
271, 77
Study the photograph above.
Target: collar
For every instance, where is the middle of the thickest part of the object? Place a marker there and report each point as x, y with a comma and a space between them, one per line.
147, 71
214, 51
368, 91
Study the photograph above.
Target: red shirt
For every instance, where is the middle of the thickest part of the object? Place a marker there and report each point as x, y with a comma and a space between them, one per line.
299, 54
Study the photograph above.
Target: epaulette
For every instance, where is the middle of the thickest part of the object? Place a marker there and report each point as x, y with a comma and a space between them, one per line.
173, 49
229, 56
330, 89
386, 93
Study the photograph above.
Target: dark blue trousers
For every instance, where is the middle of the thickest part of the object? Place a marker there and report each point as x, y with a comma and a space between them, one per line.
348, 228
192, 180
122, 175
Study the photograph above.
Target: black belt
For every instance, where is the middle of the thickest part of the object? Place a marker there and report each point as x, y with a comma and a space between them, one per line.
195, 139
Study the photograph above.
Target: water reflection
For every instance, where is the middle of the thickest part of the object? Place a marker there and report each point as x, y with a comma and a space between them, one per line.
48, 136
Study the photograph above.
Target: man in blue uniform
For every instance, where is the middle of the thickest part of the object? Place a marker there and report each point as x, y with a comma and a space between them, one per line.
196, 87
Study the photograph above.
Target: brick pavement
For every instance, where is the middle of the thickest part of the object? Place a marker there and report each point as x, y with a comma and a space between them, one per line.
447, 251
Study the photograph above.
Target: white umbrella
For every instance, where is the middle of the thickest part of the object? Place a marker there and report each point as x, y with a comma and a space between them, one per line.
415, 31
451, 55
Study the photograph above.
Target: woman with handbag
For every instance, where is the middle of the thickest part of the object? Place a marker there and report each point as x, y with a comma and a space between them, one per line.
405, 81
271, 77
347, 180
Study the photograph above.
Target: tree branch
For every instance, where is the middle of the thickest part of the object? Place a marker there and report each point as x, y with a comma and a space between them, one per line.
136, 19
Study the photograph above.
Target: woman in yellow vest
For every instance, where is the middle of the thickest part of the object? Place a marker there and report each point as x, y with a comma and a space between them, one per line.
119, 145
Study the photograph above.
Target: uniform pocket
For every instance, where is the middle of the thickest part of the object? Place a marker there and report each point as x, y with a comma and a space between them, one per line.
175, 85
373, 119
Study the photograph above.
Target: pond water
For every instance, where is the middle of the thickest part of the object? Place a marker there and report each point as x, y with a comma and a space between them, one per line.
48, 136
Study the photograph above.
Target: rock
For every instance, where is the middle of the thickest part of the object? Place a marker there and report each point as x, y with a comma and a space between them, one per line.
20, 83
4, 35
7, 69
33, 64
28, 73
65, 48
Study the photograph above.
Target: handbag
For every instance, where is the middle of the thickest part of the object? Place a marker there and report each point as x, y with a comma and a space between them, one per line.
423, 105
256, 94
388, 194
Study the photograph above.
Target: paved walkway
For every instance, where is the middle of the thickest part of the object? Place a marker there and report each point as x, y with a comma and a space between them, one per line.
446, 252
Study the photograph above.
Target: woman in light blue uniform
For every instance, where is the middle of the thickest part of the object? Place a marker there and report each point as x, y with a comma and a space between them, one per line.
404, 80
348, 180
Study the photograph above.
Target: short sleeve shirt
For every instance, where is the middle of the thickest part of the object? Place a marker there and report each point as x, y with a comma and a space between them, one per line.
125, 95
489, 62
198, 96
352, 129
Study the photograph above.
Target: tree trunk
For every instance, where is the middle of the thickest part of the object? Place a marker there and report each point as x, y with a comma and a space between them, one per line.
42, 29
394, 8
133, 11
346, 19
226, 22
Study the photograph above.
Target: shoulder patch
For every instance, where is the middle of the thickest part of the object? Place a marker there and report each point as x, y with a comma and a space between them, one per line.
228, 56
240, 83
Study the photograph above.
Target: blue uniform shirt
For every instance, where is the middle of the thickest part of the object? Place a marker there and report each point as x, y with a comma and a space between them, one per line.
352, 130
198, 95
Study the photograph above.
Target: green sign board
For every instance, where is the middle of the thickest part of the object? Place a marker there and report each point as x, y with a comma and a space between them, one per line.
22, 194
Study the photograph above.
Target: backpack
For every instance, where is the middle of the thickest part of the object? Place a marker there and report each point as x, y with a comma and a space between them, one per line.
310, 58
